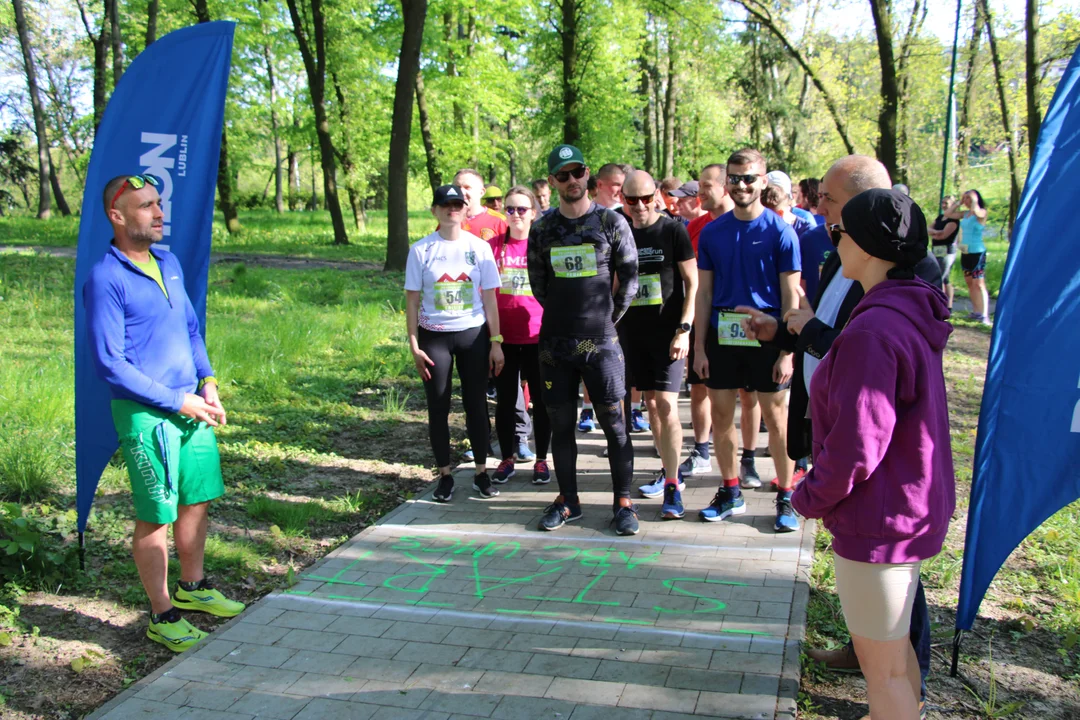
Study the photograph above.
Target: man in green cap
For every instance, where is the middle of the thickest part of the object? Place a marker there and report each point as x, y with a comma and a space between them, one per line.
575, 253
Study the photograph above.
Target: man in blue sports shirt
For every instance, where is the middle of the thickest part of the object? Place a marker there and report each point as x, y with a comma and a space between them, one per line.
147, 347
747, 257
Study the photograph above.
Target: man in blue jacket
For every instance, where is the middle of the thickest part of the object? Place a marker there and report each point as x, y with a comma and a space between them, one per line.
148, 348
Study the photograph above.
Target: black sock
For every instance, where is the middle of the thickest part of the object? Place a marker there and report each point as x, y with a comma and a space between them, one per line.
170, 616
702, 449
190, 586
748, 456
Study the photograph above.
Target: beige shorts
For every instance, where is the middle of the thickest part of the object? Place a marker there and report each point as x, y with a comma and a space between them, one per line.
876, 597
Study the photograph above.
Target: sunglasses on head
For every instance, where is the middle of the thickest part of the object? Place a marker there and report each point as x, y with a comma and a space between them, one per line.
746, 179
564, 175
517, 210
635, 199
135, 182
835, 231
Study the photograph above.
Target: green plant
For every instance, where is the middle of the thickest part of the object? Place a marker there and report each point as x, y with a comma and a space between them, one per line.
395, 402
293, 518
351, 503
989, 706
27, 468
30, 554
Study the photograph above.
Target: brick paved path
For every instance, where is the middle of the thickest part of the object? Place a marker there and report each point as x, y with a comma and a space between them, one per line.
465, 610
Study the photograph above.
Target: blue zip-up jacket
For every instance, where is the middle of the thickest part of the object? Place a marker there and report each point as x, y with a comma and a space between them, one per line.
146, 347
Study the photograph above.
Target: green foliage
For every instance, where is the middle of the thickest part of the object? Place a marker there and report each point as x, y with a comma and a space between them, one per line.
31, 553
293, 518
988, 707
27, 468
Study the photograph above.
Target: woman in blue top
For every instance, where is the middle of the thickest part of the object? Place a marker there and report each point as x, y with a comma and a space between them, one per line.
971, 212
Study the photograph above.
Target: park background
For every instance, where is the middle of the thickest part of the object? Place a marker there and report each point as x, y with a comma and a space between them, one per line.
305, 319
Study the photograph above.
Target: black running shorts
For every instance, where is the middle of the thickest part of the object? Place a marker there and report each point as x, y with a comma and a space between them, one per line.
741, 368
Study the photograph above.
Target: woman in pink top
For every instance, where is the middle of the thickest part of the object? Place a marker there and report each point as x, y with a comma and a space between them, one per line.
520, 315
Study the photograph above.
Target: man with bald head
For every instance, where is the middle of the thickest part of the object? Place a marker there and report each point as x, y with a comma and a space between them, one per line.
655, 332
809, 332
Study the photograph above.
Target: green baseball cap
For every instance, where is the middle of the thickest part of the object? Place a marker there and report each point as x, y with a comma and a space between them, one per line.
562, 156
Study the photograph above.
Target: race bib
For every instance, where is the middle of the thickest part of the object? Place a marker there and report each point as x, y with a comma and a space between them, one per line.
575, 261
649, 291
729, 330
941, 250
515, 281
455, 298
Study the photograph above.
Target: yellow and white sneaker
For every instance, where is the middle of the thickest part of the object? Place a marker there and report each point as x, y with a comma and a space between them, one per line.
206, 599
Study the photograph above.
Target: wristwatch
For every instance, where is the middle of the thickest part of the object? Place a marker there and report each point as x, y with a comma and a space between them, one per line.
497, 338
683, 328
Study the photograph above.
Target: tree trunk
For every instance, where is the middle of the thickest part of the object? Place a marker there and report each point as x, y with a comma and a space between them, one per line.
886, 150
115, 40
152, 9
397, 239
434, 176
279, 199
54, 182
568, 32
346, 158
511, 152
963, 128
671, 100
915, 25
99, 42
1031, 66
1014, 183
44, 199
315, 67
293, 161
645, 88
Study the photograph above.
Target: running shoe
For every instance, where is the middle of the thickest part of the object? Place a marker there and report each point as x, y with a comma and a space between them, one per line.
638, 422
206, 599
786, 519
178, 636
656, 488
604, 452
468, 456
748, 476
558, 514
586, 422
695, 464
541, 473
672, 509
723, 505
482, 484
445, 490
491, 392
797, 476
524, 454
504, 472
626, 522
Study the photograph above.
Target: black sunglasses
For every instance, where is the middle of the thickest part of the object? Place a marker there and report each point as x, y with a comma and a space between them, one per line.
564, 175
635, 199
835, 231
747, 179
511, 210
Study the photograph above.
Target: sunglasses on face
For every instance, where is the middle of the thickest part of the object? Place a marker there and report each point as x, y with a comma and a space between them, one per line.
745, 179
454, 206
835, 231
517, 210
564, 175
135, 182
636, 199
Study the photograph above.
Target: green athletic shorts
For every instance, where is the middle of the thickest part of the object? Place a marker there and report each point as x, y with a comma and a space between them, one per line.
172, 460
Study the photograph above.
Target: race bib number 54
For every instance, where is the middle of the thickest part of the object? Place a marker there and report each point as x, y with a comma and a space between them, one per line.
575, 261
729, 330
454, 297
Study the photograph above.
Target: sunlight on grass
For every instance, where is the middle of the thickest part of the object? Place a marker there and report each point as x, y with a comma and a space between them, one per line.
293, 518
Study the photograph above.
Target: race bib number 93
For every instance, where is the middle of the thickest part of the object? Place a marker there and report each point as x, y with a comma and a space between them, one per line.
729, 330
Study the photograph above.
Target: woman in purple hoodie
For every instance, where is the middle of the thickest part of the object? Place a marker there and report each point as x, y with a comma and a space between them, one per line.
882, 481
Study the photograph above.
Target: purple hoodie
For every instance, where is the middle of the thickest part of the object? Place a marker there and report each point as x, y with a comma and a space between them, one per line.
883, 478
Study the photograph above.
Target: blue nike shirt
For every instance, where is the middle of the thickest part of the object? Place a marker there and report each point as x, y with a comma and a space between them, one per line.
746, 259
147, 347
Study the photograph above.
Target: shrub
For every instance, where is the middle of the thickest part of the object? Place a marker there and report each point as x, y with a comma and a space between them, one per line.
27, 468
32, 554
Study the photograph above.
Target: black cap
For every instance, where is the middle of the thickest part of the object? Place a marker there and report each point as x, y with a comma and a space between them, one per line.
687, 189
888, 225
447, 194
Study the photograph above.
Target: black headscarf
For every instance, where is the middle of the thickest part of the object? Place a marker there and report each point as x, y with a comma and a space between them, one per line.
889, 225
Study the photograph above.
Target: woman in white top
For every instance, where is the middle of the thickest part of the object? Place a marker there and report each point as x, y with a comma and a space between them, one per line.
452, 316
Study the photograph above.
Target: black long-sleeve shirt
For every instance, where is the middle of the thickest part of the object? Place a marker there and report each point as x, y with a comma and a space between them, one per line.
572, 263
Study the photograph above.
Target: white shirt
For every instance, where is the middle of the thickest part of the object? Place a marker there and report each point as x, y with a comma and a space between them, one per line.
450, 274
829, 307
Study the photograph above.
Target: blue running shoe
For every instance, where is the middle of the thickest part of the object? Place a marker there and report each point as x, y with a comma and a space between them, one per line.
638, 422
468, 456
504, 472
586, 422
723, 505
786, 519
672, 509
541, 473
626, 522
695, 464
656, 488
524, 454
558, 514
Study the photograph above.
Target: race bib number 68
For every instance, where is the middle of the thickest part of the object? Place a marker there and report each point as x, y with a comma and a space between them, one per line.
575, 261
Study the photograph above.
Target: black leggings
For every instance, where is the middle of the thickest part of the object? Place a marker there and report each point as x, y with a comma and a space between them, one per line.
564, 362
470, 349
521, 363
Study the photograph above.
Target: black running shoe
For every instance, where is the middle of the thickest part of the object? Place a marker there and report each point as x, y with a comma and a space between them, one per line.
445, 491
558, 514
626, 522
482, 484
